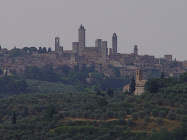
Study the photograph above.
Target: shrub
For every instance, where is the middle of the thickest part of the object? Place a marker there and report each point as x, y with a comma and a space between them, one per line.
159, 121
162, 114
171, 116
130, 122
155, 113
135, 116
147, 119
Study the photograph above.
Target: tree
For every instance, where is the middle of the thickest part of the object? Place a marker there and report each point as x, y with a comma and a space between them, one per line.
40, 50
135, 116
1, 71
162, 75
132, 85
117, 72
50, 112
155, 113
32, 49
130, 122
0, 47
110, 92
49, 49
171, 116
102, 102
14, 117
162, 114
44, 50
65, 69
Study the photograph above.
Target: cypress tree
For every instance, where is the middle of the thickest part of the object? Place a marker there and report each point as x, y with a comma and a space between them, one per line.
14, 117
132, 85
162, 75
49, 49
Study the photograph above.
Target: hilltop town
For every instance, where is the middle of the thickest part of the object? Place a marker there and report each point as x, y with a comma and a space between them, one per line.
103, 59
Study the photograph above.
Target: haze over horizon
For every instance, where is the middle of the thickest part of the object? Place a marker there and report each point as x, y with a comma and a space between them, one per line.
157, 27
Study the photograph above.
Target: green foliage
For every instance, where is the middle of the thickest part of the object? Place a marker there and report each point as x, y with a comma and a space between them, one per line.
153, 85
50, 112
171, 115
183, 77
135, 116
162, 75
132, 85
41, 74
102, 102
155, 113
15, 52
12, 85
110, 92
49, 49
117, 72
1, 71
162, 114
14, 117
35, 86
159, 121
75, 115
147, 119
130, 122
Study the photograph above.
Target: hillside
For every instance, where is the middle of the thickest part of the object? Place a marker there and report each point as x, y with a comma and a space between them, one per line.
92, 116
160, 113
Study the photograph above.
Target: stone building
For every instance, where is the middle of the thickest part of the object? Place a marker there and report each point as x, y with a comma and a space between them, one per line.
114, 43
104, 52
58, 48
98, 44
140, 83
82, 38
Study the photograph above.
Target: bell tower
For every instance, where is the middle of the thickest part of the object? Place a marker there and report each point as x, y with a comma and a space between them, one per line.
139, 75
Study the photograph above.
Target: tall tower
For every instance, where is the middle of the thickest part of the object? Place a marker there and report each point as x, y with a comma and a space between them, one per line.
98, 44
114, 43
82, 34
57, 44
58, 48
139, 75
136, 49
104, 52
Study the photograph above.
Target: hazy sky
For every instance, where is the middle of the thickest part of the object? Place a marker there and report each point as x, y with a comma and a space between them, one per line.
158, 27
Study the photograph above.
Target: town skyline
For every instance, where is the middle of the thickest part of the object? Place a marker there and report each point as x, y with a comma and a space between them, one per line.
109, 44
157, 27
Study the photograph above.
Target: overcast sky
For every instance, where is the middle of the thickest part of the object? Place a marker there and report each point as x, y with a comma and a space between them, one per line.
158, 27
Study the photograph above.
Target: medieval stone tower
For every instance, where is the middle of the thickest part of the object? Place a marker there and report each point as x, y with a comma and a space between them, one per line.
114, 43
82, 34
139, 75
58, 48
135, 49
104, 52
57, 43
98, 44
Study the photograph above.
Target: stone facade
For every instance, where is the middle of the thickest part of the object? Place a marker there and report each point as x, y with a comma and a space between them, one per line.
114, 43
82, 38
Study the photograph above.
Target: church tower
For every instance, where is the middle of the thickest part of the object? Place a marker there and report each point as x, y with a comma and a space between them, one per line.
114, 43
139, 75
82, 34
135, 49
